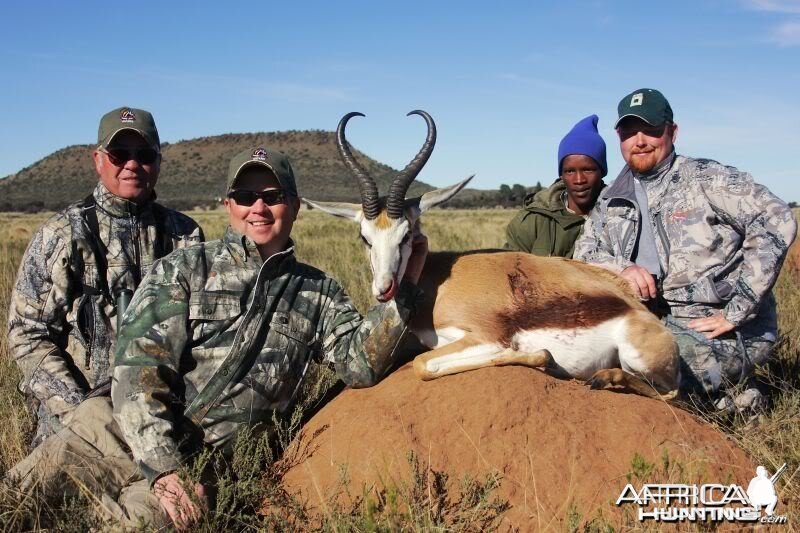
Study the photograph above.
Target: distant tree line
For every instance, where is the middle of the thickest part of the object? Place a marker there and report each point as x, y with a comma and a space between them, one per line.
33, 206
36, 206
506, 196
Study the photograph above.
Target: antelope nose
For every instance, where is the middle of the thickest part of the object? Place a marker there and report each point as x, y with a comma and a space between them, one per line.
388, 293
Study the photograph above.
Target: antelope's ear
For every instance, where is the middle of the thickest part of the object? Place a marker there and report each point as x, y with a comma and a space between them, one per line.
440, 196
338, 209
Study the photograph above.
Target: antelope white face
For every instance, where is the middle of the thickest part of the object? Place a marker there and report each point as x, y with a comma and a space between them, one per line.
388, 240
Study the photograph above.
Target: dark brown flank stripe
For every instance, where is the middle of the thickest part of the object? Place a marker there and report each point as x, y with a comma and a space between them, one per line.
530, 310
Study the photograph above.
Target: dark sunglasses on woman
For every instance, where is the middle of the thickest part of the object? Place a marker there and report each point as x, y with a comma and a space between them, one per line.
248, 198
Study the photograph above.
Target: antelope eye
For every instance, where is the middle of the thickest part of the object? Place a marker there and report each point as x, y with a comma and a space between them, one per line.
365, 241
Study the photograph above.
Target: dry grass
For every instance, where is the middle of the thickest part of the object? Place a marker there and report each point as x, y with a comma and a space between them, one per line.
332, 245
15, 425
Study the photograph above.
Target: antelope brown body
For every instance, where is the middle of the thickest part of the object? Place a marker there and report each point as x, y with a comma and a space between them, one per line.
489, 308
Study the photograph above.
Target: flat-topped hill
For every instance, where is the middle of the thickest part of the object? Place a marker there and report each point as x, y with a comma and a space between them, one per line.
193, 172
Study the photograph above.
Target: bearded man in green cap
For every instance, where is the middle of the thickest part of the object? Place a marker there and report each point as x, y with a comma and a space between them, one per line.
701, 243
82, 266
219, 337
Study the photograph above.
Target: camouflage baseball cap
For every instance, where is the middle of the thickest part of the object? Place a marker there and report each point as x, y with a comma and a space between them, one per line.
646, 104
127, 118
275, 161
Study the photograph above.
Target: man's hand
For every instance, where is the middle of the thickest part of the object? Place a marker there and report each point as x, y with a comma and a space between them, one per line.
173, 499
712, 326
641, 281
416, 262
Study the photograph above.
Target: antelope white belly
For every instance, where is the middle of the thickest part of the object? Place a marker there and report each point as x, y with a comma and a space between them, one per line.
578, 352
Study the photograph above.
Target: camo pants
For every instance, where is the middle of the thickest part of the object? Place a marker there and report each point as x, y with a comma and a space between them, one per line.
91, 451
711, 366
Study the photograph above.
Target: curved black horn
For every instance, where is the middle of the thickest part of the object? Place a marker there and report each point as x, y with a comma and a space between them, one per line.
397, 192
366, 185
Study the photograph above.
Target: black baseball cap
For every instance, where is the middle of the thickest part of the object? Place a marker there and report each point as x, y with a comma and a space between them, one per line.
646, 104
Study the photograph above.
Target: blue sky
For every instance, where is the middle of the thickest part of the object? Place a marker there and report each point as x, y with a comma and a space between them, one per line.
504, 82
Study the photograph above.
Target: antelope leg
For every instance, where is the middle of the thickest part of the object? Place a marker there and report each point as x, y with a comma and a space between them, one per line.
469, 354
609, 377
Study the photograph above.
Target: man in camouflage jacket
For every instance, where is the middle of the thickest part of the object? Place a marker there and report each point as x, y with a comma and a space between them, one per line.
220, 336
62, 319
701, 242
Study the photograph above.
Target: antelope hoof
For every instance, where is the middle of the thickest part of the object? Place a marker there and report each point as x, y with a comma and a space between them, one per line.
600, 380
669, 396
596, 384
549, 362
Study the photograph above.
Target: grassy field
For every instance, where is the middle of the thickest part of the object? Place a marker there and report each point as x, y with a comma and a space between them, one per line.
333, 245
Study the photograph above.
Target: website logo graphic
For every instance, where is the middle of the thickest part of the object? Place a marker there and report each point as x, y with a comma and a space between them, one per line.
674, 502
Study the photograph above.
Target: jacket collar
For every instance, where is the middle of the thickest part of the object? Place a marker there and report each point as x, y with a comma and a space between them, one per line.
549, 199
660, 169
120, 207
623, 185
244, 249
551, 202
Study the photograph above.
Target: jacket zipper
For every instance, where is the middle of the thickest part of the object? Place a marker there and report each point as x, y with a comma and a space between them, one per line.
626, 237
662, 233
137, 249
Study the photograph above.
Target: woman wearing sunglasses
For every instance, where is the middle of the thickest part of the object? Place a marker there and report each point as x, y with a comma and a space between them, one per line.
221, 335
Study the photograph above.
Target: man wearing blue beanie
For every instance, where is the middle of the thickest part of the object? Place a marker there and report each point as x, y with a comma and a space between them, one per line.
552, 219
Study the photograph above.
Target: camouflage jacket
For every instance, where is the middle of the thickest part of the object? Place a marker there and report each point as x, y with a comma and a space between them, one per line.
62, 335
203, 307
721, 238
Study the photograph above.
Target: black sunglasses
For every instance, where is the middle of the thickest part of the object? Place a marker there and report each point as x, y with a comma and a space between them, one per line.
120, 156
629, 130
248, 198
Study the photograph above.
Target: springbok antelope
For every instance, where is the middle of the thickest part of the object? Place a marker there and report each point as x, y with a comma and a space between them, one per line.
492, 308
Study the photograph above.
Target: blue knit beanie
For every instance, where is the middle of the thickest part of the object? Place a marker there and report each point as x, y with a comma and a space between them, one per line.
583, 139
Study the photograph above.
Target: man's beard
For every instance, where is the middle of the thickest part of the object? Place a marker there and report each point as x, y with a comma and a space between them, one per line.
643, 165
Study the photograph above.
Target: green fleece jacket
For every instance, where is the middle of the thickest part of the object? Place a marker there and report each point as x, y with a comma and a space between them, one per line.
544, 226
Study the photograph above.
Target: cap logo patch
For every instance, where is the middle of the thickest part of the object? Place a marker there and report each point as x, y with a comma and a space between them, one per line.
259, 154
636, 99
126, 115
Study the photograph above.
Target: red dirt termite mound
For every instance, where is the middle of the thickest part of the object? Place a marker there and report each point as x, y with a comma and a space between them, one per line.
556, 444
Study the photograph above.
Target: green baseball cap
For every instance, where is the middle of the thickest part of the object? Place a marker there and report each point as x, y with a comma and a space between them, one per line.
127, 118
275, 161
646, 104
